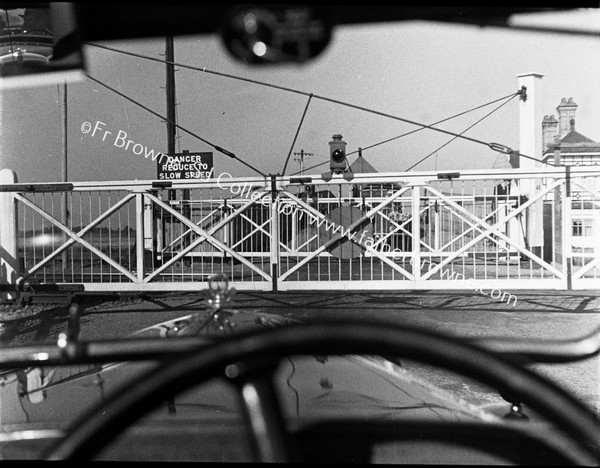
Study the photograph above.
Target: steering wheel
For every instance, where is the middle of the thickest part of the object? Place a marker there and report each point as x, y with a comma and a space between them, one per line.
250, 359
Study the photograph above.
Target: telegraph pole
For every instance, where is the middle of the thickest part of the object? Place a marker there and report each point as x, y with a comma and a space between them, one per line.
300, 158
170, 57
163, 229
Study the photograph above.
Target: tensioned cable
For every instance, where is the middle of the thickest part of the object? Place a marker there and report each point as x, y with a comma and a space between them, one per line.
465, 130
296, 136
311, 167
509, 97
436, 123
216, 147
493, 146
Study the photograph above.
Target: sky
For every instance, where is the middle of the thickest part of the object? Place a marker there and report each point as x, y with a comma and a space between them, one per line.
423, 72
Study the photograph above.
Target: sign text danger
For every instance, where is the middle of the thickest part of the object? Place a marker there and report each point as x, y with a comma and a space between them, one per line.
186, 166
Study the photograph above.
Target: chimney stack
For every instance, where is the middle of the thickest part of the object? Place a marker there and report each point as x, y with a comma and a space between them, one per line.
566, 112
549, 131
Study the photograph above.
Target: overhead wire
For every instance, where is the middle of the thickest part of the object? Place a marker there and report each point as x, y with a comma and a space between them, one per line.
509, 97
465, 130
493, 146
311, 167
435, 123
296, 136
204, 140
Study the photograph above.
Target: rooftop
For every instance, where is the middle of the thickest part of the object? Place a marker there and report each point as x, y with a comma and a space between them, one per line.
362, 166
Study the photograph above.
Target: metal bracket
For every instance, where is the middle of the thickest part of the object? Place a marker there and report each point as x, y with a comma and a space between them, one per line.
300, 180
449, 175
523, 93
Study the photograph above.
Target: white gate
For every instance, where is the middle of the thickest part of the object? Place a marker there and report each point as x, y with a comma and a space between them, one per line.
417, 230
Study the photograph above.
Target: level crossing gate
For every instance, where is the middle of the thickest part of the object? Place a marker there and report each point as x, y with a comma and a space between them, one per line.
492, 229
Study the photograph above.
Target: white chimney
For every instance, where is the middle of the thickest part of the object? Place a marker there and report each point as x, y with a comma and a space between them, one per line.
549, 131
566, 112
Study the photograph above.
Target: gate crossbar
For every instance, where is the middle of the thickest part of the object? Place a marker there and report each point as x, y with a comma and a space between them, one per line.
587, 267
472, 228
490, 230
307, 243
356, 223
583, 186
401, 229
204, 235
181, 236
251, 233
76, 238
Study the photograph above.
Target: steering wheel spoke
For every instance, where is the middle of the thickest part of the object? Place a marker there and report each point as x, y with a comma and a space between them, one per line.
264, 418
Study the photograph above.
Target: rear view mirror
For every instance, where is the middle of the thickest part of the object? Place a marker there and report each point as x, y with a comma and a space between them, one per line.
39, 44
271, 34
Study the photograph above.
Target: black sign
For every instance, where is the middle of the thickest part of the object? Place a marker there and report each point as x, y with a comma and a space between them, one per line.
186, 166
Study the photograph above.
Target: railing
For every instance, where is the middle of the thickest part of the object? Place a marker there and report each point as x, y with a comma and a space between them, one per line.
376, 231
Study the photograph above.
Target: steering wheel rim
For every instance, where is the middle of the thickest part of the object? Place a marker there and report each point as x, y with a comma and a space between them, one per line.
93, 431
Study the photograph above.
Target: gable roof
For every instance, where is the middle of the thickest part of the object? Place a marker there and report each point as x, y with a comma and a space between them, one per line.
575, 137
362, 166
575, 142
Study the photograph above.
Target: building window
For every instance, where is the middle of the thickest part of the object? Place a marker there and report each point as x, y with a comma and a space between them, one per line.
583, 228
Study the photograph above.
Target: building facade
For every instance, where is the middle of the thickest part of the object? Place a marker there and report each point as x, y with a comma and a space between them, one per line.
575, 149
565, 146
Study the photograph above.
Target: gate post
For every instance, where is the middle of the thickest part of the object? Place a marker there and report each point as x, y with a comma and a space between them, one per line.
139, 235
567, 229
416, 232
274, 233
9, 251
149, 230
